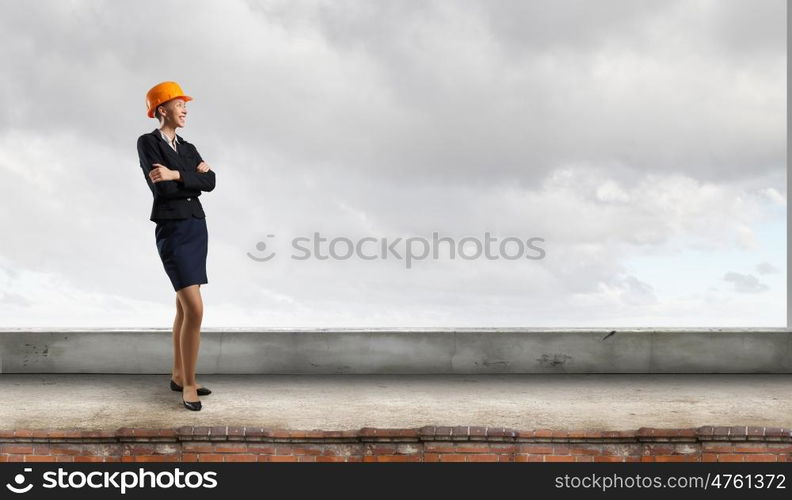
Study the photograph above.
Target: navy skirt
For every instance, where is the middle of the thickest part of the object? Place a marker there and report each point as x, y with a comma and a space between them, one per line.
182, 245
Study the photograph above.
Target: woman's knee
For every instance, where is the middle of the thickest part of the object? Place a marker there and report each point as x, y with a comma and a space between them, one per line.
193, 309
194, 313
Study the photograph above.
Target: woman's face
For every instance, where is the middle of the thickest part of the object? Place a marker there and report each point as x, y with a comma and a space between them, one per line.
175, 112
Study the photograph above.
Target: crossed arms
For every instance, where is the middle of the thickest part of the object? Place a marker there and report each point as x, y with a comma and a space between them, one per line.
169, 183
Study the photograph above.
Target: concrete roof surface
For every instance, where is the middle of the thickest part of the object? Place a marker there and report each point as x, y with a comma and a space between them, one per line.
347, 402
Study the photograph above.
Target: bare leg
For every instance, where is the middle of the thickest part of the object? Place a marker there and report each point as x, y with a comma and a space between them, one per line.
190, 338
177, 358
177, 325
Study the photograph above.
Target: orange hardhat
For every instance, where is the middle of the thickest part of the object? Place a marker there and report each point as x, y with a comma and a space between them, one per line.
163, 92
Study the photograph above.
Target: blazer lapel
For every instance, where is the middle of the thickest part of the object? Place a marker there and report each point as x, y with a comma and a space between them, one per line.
168, 151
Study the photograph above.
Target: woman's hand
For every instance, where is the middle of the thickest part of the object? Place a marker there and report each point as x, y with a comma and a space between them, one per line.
202, 167
162, 173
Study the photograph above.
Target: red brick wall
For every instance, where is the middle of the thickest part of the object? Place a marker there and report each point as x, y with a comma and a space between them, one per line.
425, 444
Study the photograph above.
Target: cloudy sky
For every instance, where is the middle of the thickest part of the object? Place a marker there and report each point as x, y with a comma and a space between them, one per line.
642, 141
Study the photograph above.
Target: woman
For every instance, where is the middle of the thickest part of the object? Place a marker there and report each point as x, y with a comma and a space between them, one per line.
176, 175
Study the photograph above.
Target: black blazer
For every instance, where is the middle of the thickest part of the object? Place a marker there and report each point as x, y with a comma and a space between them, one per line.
174, 199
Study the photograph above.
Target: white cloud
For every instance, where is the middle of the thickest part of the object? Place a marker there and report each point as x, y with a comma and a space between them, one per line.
745, 283
766, 268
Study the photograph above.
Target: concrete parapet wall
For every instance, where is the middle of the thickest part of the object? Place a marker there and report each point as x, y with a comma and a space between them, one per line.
405, 351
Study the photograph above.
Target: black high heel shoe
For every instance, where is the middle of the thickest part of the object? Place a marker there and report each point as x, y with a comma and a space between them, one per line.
192, 405
202, 391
